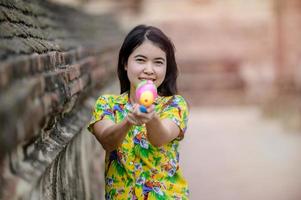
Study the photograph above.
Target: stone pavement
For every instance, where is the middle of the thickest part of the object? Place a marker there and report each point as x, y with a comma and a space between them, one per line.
233, 153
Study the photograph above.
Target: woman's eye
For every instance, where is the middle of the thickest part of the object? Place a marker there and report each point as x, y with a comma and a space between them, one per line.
140, 60
159, 63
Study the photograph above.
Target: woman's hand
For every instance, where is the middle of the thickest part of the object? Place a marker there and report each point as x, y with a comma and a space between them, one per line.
159, 132
136, 117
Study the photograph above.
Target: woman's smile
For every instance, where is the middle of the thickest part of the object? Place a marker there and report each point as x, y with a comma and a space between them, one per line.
147, 78
146, 62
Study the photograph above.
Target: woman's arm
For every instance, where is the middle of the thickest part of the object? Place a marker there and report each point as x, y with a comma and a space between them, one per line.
161, 131
109, 134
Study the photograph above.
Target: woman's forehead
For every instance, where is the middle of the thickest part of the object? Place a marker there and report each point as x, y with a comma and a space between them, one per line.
148, 48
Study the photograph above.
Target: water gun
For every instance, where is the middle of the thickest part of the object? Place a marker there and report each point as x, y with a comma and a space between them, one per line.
146, 93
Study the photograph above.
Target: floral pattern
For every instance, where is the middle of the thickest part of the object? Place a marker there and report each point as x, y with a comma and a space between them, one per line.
137, 169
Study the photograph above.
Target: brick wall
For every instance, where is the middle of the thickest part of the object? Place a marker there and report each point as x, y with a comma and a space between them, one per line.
54, 61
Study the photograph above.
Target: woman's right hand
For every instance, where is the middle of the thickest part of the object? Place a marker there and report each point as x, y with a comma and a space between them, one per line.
136, 117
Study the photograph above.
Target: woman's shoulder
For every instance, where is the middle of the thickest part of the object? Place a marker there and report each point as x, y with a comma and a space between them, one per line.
179, 99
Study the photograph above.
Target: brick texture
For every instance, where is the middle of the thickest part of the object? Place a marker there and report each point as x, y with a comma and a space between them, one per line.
53, 58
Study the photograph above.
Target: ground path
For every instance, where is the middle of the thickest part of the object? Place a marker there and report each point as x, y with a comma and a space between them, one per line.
235, 154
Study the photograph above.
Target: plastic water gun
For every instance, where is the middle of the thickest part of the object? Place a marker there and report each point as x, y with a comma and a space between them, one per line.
146, 93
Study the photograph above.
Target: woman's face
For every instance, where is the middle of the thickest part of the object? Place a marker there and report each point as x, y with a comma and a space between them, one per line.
146, 62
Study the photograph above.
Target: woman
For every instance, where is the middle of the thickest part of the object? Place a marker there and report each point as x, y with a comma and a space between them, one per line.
142, 158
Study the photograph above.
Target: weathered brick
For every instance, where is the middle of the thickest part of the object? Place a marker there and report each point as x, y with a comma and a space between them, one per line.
45, 62
61, 61
46, 102
98, 74
81, 53
15, 102
51, 59
69, 57
18, 16
49, 101
5, 74
9, 30
32, 32
10, 46
66, 44
37, 45
55, 79
36, 64
73, 72
7, 3
8, 136
75, 86
58, 99
31, 120
87, 64
20, 68
9, 14
48, 45
2, 15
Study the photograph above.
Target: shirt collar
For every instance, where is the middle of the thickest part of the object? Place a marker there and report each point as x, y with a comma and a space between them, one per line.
123, 98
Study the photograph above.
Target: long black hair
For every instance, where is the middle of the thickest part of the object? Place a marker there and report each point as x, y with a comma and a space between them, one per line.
134, 39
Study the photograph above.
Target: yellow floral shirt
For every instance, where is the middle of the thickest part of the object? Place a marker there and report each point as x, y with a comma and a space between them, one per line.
137, 169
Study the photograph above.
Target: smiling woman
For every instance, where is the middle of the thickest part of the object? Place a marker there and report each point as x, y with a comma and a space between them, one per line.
147, 62
142, 157
156, 40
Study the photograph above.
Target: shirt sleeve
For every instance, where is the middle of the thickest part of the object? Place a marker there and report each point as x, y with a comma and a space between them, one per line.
177, 111
102, 110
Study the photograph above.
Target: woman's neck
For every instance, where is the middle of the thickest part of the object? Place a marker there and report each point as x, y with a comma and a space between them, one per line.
132, 97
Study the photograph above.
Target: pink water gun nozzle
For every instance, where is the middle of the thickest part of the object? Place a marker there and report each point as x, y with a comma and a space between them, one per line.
146, 93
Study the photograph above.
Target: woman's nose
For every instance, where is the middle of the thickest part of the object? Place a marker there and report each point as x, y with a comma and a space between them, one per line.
148, 69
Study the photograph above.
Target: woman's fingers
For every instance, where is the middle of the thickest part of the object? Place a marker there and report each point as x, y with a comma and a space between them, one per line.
151, 108
138, 117
133, 120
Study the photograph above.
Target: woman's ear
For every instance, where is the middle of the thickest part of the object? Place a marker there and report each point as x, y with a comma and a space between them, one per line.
125, 67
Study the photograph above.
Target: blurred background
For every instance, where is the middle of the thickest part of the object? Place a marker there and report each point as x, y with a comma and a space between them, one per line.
240, 71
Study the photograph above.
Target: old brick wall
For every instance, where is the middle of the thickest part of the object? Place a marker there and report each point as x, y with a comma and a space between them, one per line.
54, 61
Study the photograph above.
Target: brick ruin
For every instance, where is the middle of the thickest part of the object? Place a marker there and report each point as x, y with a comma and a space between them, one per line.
54, 61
